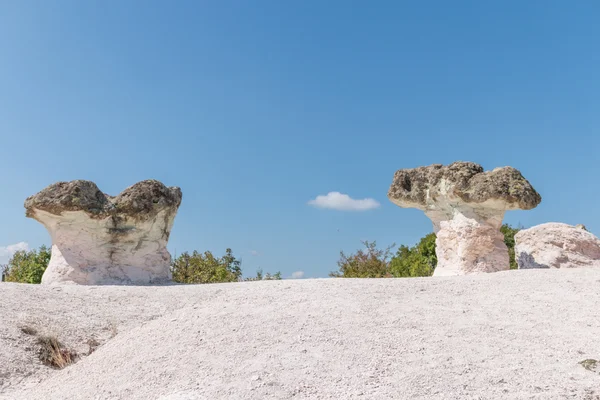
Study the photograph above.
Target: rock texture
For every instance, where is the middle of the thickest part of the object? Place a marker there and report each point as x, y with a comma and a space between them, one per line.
556, 245
513, 335
466, 206
99, 239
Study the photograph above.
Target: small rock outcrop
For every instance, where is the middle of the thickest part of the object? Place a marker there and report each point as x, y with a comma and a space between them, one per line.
556, 245
99, 239
466, 206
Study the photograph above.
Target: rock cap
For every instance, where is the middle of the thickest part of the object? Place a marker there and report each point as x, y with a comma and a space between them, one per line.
462, 182
143, 199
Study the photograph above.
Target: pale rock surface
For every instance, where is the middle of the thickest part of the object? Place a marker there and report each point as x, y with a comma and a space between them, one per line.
511, 335
98, 239
466, 206
556, 245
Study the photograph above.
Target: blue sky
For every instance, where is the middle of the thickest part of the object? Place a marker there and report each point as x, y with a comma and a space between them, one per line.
256, 108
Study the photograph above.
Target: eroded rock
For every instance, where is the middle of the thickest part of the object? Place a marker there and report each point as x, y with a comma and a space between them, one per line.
98, 239
556, 245
466, 206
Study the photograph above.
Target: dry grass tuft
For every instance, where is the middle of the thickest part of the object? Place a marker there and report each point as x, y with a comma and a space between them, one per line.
54, 354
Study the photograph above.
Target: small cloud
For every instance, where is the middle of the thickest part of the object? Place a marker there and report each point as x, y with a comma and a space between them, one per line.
343, 202
298, 275
254, 253
6, 252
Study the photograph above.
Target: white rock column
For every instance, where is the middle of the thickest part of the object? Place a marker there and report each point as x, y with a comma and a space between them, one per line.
467, 245
85, 252
103, 240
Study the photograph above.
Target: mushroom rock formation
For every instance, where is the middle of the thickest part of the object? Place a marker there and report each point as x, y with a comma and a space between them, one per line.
556, 245
466, 206
98, 239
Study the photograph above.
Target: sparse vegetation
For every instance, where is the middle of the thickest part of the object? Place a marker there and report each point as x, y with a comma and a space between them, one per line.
53, 353
266, 277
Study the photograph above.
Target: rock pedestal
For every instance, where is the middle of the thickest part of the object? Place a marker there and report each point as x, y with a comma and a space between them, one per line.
98, 239
466, 206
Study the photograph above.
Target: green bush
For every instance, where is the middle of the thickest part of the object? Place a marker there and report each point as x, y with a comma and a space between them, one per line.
369, 263
206, 268
418, 260
27, 266
509, 240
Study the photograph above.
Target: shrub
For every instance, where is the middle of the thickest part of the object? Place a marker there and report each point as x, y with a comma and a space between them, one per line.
509, 240
27, 266
206, 268
266, 277
369, 263
419, 260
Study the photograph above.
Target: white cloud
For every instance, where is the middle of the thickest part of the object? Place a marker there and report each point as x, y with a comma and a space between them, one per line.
254, 253
298, 275
343, 202
6, 252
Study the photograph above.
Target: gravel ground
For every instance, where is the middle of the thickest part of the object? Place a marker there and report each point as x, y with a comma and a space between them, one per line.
507, 335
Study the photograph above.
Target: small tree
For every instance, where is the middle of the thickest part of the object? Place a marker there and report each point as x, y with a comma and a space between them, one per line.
27, 266
206, 268
368, 263
419, 260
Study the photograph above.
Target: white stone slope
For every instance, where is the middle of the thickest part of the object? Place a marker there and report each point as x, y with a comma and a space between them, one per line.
509, 335
556, 245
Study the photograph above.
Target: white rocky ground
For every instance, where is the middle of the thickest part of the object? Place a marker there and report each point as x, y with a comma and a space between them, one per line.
509, 335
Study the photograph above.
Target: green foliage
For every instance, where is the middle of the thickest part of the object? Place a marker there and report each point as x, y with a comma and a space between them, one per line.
369, 263
206, 268
419, 260
509, 240
266, 277
28, 266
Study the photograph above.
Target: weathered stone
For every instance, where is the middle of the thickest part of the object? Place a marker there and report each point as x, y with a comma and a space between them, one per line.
466, 206
556, 245
99, 239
